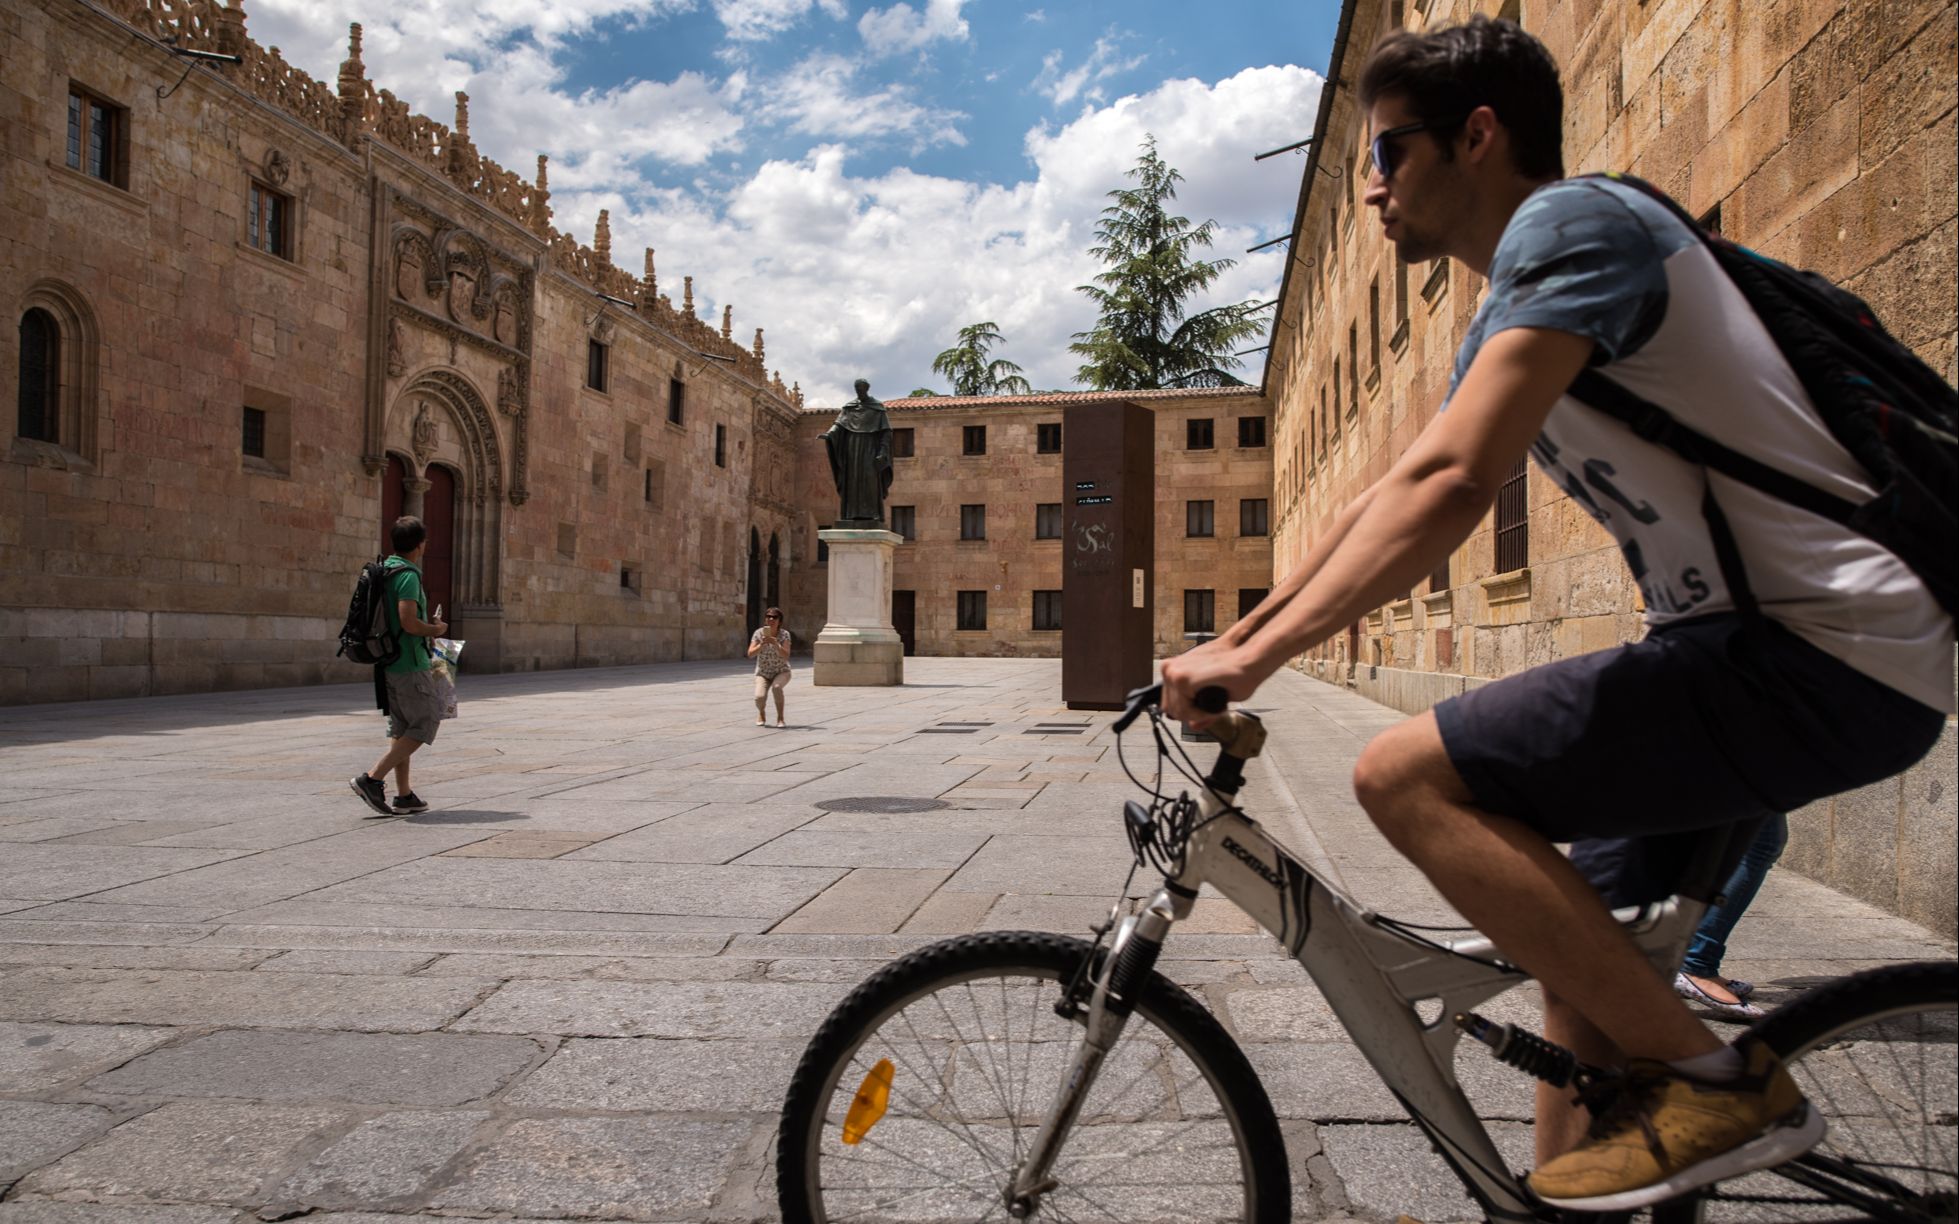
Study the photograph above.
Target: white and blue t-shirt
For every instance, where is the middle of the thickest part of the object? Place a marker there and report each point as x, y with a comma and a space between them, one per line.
1600, 260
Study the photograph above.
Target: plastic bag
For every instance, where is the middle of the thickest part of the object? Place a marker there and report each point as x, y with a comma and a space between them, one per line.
443, 656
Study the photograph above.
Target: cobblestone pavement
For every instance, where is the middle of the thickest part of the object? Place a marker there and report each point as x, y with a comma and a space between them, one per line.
577, 986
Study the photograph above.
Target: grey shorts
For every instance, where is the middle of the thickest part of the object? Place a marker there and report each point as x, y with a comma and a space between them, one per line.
413, 708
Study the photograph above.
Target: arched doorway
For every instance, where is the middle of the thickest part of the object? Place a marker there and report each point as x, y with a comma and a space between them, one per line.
439, 563
754, 581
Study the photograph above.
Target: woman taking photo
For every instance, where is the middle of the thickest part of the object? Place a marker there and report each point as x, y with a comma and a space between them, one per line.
770, 650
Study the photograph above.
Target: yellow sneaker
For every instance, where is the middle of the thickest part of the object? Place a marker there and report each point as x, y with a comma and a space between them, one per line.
1668, 1133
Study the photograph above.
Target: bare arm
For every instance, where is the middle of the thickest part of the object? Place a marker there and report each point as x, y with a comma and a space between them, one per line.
754, 644
1414, 516
412, 622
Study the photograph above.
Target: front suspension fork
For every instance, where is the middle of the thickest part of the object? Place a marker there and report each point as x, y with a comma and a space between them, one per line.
1127, 967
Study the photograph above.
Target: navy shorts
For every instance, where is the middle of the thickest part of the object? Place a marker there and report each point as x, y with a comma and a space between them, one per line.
1632, 754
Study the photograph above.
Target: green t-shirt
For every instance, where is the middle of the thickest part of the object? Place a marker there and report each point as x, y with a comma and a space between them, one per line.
405, 582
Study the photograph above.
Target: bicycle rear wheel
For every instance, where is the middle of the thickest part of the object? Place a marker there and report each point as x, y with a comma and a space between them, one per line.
1176, 1127
1878, 1053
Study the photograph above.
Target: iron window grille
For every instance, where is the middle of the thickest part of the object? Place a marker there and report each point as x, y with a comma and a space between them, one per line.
1048, 438
1047, 610
1200, 611
1512, 521
972, 610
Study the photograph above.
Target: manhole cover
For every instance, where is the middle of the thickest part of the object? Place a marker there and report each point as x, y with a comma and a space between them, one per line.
882, 803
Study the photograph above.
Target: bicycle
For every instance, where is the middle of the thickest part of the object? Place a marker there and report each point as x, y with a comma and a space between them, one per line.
1015, 1075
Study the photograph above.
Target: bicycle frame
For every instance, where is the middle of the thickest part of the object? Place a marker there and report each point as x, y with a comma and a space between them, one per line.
1374, 978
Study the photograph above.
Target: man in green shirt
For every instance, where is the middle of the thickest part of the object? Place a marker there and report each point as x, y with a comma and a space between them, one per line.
414, 710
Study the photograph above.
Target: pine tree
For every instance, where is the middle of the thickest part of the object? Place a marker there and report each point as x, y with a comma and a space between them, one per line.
1143, 340
965, 364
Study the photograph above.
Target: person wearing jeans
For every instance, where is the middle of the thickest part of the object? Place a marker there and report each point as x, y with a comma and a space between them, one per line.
1699, 980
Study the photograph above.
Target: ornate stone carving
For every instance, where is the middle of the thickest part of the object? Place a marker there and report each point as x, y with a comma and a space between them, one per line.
604, 326
277, 167
426, 435
510, 392
397, 360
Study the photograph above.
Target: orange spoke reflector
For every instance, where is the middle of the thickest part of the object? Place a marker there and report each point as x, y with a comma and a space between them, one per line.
873, 1096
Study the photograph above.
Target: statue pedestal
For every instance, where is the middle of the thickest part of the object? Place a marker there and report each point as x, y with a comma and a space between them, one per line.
858, 646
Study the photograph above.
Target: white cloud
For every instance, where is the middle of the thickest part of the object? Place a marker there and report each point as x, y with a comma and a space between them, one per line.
755, 20
901, 28
873, 275
828, 97
1083, 80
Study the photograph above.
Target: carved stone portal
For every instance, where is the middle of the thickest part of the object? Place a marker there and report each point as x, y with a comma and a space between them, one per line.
426, 435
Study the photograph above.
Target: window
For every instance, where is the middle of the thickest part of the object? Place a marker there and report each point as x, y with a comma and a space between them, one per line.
901, 443
1439, 580
1249, 598
1512, 522
720, 446
975, 440
1400, 290
98, 133
595, 361
676, 401
1353, 368
1253, 517
1047, 521
1048, 438
265, 432
904, 521
1251, 431
1333, 418
649, 484
40, 377
1374, 322
628, 578
253, 438
269, 227
972, 610
1198, 518
1200, 611
1047, 610
1197, 435
972, 522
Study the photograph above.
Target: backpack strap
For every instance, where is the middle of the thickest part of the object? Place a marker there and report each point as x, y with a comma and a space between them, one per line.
1655, 424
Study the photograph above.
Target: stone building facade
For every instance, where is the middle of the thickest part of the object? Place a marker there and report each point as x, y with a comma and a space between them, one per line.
980, 498
1820, 133
260, 314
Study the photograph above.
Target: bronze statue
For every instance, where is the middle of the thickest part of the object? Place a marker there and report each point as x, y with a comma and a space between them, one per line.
860, 459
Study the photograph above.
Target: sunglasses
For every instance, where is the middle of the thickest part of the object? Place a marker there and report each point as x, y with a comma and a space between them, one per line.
1386, 151
772, 616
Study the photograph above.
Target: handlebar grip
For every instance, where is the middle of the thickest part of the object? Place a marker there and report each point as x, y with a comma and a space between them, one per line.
1212, 700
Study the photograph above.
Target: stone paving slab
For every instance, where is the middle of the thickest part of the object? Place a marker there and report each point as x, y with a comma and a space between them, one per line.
190, 1152
33, 1133
428, 1069
340, 974
300, 1000
37, 1057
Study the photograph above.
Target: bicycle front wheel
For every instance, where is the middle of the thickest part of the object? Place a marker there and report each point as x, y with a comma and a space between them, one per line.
960, 1044
1878, 1054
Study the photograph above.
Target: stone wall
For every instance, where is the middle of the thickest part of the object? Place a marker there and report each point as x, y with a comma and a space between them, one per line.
1010, 480
1820, 133
424, 336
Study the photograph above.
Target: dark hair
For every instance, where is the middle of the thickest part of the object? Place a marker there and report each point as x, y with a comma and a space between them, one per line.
1445, 73
407, 534
775, 612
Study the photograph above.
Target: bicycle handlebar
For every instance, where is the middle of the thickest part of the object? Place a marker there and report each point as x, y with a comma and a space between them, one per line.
1211, 700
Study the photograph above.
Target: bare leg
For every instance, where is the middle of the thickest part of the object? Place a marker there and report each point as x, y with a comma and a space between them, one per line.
778, 705
1561, 1121
761, 702
396, 758
1517, 889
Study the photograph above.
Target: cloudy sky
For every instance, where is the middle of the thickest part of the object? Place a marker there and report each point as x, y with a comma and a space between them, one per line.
863, 179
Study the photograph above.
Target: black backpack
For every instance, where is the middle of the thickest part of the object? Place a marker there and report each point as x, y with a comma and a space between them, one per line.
370, 636
1891, 411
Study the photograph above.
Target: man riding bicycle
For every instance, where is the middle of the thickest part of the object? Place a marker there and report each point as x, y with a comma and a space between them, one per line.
1813, 662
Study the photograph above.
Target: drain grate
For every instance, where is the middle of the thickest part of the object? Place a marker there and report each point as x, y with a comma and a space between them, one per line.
947, 730
882, 803
1064, 730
